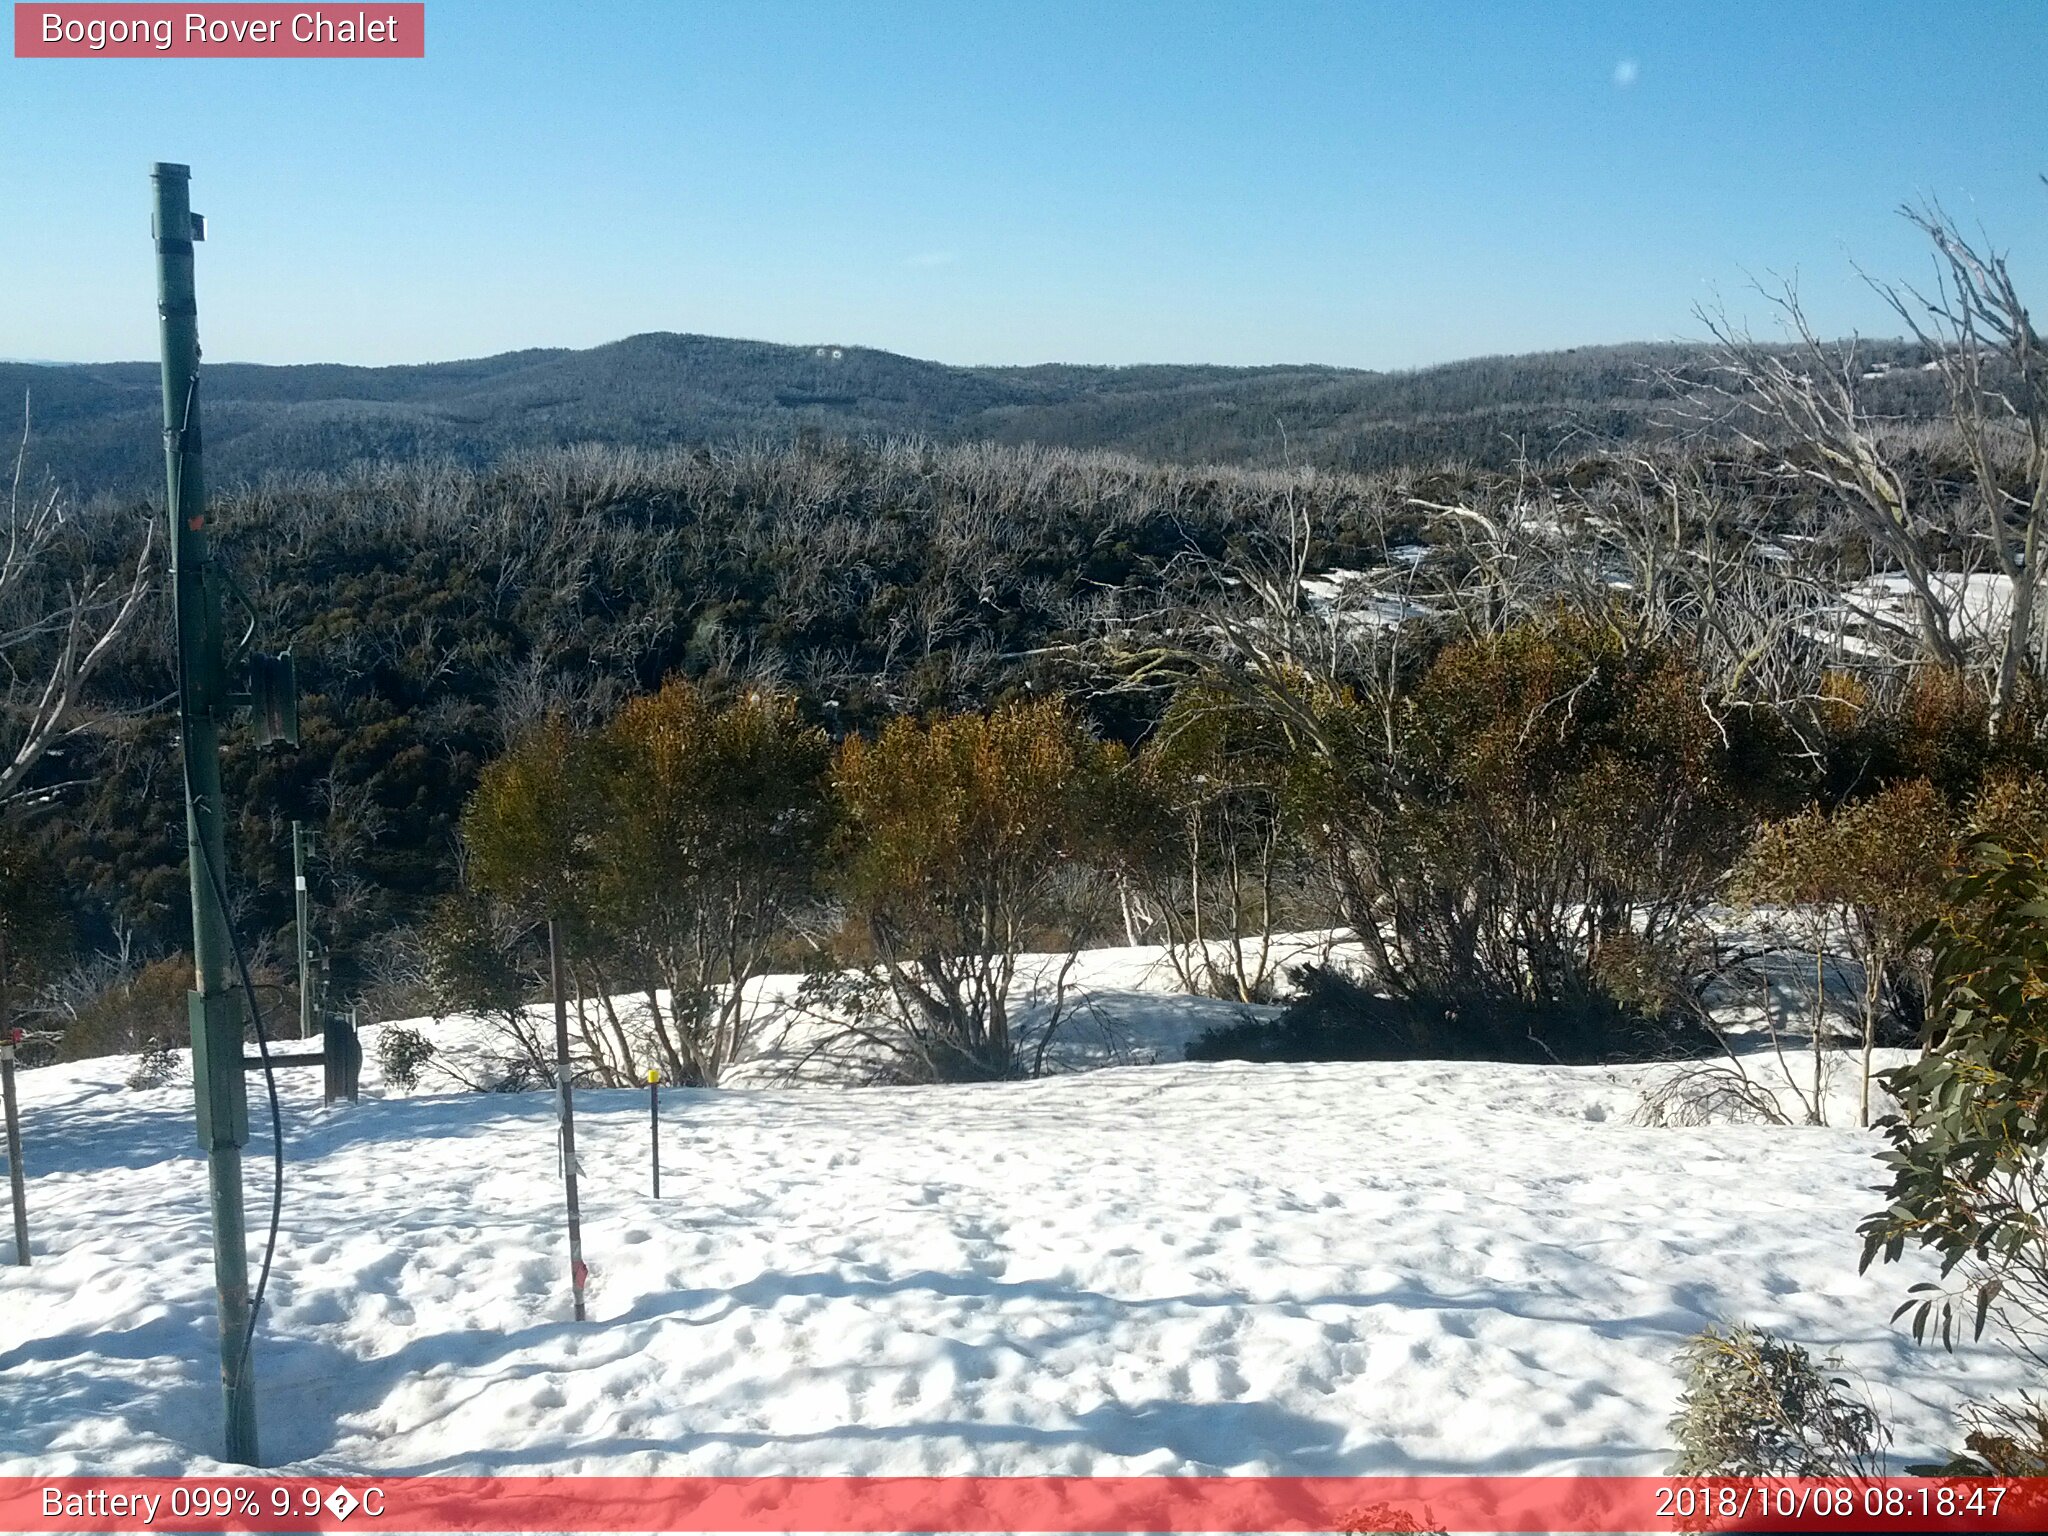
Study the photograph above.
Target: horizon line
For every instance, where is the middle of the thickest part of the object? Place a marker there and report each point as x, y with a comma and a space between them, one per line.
845, 346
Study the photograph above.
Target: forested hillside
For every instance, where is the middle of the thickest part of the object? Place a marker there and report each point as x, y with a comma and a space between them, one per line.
459, 552
435, 611
96, 426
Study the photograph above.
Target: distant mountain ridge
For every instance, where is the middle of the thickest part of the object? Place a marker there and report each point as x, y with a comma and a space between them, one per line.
96, 426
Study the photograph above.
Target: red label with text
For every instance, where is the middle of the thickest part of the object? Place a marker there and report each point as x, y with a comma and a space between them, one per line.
101, 31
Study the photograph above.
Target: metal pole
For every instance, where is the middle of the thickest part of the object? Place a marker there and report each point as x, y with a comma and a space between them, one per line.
305, 935
654, 1124
577, 1273
16, 1177
203, 703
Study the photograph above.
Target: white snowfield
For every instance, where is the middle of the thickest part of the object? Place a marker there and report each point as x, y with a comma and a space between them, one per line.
1175, 1268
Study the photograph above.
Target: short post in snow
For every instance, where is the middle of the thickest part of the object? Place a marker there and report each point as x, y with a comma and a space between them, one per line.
9, 1038
577, 1273
654, 1124
301, 841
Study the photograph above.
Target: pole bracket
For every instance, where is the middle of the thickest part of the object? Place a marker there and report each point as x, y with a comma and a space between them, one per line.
216, 1023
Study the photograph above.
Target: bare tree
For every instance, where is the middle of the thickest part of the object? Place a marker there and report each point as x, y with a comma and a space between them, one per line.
1994, 367
1809, 398
60, 619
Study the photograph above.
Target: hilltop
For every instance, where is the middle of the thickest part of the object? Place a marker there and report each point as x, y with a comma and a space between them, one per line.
96, 426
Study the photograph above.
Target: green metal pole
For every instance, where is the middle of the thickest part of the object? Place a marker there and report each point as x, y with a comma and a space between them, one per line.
16, 1175
203, 704
305, 934
16, 1178
654, 1125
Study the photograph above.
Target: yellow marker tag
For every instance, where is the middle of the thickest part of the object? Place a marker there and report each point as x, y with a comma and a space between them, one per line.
653, 1076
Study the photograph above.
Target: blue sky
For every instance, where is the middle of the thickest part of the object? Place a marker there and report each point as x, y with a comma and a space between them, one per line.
1375, 185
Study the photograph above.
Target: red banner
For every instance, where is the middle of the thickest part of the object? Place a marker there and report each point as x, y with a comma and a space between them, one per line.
1049, 1504
115, 31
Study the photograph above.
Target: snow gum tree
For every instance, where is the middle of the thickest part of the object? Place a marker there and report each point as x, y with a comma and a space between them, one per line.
1806, 404
712, 840
1542, 808
63, 614
971, 839
1212, 842
1870, 873
529, 833
64, 611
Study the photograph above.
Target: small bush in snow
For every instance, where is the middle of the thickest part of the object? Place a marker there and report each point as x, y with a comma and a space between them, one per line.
1756, 1406
1869, 875
677, 849
401, 1054
112, 1006
1211, 844
156, 1066
1713, 1093
1496, 830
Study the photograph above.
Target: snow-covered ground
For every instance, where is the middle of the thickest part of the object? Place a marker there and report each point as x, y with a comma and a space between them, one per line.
1351, 598
1877, 614
1347, 1268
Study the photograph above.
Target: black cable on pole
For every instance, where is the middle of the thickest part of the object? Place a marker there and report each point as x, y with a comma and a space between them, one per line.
276, 1115
220, 895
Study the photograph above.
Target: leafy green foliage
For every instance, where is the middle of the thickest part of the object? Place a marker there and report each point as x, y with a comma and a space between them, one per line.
674, 847
1968, 1142
129, 1010
711, 833
1864, 734
1867, 876
1540, 820
2001, 1439
970, 839
1211, 840
402, 1055
531, 826
470, 958
1755, 1406
1883, 862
